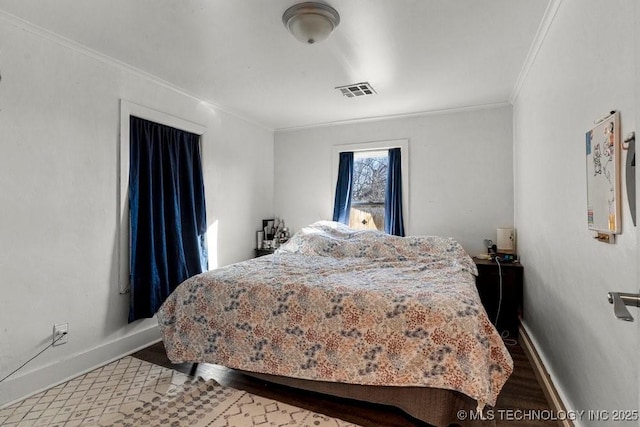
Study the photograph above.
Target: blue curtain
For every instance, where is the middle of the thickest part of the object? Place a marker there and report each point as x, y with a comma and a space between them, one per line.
342, 203
393, 222
167, 213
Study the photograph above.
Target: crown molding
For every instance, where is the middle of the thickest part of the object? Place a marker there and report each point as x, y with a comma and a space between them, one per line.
452, 110
543, 29
120, 65
53, 37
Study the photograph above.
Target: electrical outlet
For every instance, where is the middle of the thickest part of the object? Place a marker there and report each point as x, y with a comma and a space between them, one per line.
60, 333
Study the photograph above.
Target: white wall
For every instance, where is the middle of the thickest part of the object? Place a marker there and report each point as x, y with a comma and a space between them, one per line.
460, 167
584, 68
59, 121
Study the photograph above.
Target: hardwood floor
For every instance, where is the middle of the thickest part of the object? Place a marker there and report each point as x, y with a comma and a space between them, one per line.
521, 392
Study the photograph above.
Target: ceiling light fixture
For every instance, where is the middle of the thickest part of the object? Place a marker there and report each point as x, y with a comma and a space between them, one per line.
311, 22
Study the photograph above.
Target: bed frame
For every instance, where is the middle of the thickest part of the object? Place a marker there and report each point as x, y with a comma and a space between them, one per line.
437, 407
434, 406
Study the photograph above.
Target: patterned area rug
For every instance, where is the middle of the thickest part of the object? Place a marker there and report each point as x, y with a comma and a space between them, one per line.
132, 392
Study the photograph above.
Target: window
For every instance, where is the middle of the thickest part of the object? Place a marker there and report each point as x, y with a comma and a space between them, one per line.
128, 109
368, 190
360, 174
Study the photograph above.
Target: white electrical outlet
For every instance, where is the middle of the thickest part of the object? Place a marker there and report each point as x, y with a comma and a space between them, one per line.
60, 333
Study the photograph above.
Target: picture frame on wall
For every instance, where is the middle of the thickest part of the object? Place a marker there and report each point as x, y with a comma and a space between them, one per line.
603, 175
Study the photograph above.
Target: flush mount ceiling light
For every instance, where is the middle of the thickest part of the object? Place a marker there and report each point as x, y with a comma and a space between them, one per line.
311, 22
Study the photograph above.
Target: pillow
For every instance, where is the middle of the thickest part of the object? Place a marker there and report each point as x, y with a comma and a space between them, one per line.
328, 238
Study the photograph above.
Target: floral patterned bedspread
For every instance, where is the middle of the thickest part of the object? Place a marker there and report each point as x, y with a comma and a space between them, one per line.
334, 304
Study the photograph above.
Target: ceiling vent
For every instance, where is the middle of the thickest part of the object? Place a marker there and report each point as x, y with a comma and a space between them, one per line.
356, 89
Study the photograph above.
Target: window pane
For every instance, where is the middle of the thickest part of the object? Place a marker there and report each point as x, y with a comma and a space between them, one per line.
369, 179
368, 192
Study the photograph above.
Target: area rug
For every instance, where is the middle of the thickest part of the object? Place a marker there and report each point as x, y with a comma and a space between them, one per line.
132, 392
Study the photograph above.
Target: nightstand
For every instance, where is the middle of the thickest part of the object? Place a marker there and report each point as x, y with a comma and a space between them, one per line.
263, 252
488, 284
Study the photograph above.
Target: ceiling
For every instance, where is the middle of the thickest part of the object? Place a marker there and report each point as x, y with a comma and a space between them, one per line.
419, 55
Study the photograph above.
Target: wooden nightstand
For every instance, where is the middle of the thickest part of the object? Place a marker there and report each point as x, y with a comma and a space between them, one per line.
488, 284
263, 252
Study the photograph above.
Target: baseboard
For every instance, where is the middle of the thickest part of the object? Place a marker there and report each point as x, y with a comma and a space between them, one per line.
21, 387
544, 379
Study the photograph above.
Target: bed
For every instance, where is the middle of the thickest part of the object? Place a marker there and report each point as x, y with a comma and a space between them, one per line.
357, 314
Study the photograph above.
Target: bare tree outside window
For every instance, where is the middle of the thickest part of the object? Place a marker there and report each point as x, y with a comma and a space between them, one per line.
368, 191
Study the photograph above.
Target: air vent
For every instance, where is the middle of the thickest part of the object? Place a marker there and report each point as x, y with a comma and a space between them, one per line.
356, 89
